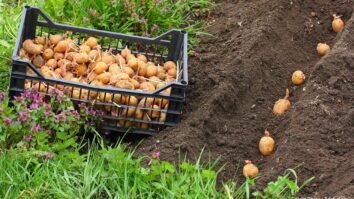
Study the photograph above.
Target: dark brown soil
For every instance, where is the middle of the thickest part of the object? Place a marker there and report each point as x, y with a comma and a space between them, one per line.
245, 67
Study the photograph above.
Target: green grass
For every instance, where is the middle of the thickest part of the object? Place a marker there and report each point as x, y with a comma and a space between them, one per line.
107, 173
112, 172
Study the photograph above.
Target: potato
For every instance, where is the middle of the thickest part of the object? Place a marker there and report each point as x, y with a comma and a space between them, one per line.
107, 58
129, 71
170, 65
54, 39
40, 40
68, 76
58, 56
140, 79
124, 123
81, 58
31, 47
114, 69
172, 72
91, 42
162, 76
147, 87
135, 83
146, 102
125, 52
59, 72
163, 117
142, 68
48, 53
94, 55
151, 70
80, 69
142, 58
130, 56
154, 80
100, 68
125, 84
119, 99
72, 47
91, 76
131, 100
92, 65
119, 59
105, 97
23, 53
38, 61
170, 79
85, 48
161, 102
62, 46
52, 63
119, 76
64, 63
104, 77
154, 113
143, 125
139, 114
150, 63
128, 112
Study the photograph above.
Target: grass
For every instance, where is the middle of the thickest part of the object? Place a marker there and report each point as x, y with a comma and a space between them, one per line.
107, 173
112, 172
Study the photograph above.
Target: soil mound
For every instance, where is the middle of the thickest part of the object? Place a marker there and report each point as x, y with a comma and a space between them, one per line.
245, 67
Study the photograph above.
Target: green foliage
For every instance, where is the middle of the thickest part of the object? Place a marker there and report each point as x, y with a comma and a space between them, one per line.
284, 187
32, 122
105, 173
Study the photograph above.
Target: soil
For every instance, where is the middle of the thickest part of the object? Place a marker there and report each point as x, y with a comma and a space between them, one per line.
245, 67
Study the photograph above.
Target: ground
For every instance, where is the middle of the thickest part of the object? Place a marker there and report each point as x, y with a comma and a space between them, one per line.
245, 67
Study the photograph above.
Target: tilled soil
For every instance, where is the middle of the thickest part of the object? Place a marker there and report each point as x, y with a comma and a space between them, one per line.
245, 67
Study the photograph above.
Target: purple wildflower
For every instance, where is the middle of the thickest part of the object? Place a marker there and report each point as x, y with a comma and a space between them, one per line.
143, 21
146, 34
8, 121
2, 96
48, 155
75, 114
36, 128
34, 106
26, 94
61, 117
47, 113
82, 105
47, 106
19, 98
51, 90
156, 155
135, 15
157, 1
27, 137
23, 115
154, 28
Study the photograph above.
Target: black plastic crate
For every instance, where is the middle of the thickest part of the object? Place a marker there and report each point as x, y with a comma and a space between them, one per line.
118, 116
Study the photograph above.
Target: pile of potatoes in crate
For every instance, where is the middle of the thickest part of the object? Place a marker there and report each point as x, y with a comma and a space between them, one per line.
60, 57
